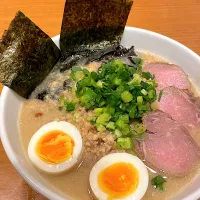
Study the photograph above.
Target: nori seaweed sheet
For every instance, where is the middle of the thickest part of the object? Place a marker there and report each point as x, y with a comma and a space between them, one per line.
27, 55
91, 28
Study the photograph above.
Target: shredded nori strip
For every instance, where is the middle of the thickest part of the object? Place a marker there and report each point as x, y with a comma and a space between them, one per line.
120, 51
41, 96
91, 28
67, 84
27, 55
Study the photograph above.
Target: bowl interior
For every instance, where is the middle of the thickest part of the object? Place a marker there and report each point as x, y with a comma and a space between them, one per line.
11, 103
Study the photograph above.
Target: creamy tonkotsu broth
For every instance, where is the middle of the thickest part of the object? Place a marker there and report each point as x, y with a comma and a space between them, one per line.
75, 183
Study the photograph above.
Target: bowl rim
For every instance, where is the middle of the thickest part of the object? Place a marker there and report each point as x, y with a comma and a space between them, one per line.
11, 154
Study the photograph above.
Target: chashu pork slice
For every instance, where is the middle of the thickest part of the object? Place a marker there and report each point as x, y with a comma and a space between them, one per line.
168, 147
168, 75
182, 106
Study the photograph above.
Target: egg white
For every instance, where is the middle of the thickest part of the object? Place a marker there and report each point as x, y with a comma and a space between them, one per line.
65, 127
110, 159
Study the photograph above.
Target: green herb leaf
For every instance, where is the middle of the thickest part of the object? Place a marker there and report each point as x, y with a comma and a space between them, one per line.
158, 182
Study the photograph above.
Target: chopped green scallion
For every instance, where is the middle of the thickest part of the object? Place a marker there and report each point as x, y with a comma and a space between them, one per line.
100, 84
140, 99
136, 80
100, 127
124, 143
117, 93
139, 128
70, 106
151, 94
109, 109
121, 124
117, 81
117, 133
124, 118
147, 75
126, 96
103, 118
160, 95
111, 125
144, 92
98, 111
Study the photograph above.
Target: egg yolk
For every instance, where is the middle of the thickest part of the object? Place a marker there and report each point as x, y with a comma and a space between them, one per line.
118, 180
55, 147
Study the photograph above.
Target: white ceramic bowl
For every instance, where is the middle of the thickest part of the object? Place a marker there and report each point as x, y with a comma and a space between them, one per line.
142, 40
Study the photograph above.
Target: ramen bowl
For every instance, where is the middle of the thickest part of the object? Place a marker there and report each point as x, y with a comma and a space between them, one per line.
10, 106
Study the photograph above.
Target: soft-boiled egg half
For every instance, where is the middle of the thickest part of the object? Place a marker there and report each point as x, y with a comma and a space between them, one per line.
119, 176
55, 147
